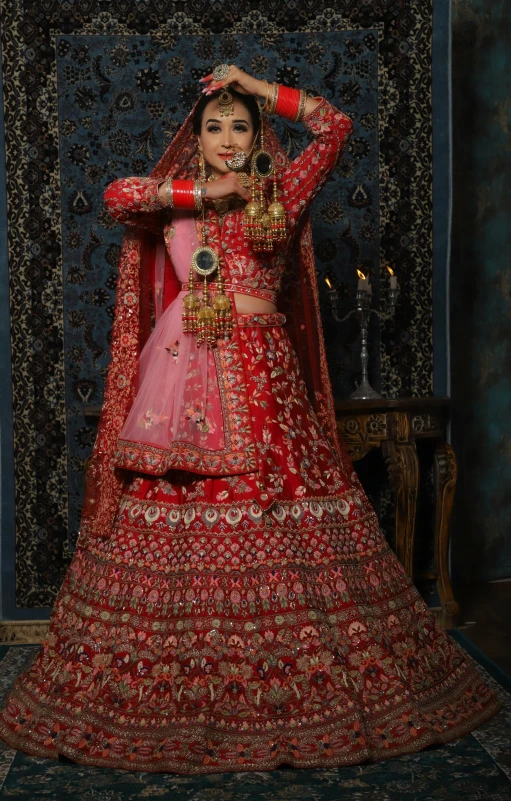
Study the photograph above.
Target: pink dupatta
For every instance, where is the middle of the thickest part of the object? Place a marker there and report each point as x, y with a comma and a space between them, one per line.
177, 382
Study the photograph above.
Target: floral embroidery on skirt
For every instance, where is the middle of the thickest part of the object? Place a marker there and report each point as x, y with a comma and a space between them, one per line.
209, 635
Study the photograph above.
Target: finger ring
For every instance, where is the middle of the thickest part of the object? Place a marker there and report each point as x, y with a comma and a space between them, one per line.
221, 72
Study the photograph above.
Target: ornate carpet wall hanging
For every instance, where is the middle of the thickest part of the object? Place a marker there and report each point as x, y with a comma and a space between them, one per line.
94, 92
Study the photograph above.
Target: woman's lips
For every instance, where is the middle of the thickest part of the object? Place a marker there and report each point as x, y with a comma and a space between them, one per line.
224, 156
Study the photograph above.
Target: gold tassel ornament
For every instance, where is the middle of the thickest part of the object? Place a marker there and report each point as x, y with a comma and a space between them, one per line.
263, 225
209, 322
223, 310
191, 305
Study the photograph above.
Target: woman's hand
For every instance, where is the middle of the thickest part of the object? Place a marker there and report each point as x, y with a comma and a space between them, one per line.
239, 80
228, 184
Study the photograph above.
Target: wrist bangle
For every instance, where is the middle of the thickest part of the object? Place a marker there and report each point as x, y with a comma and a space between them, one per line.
301, 106
169, 201
288, 102
183, 196
267, 100
197, 195
273, 98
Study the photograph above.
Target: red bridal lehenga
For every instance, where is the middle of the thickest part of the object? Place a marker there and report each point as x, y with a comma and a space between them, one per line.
232, 604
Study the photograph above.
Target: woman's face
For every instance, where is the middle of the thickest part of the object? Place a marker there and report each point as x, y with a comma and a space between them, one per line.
223, 136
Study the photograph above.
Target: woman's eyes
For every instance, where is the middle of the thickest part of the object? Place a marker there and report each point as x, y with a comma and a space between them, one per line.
237, 128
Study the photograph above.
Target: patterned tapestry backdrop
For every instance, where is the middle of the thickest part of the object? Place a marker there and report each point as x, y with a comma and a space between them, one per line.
96, 92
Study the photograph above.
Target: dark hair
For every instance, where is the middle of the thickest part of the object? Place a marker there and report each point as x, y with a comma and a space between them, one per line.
248, 101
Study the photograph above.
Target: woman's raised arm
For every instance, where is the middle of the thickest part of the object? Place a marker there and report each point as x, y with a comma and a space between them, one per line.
136, 201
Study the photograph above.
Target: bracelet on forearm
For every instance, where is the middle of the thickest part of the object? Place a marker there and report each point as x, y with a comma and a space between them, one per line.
286, 102
168, 193
271, 98
182, 194
197, 195
301, 105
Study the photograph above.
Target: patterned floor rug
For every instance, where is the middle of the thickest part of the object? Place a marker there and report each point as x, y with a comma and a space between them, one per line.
474, 768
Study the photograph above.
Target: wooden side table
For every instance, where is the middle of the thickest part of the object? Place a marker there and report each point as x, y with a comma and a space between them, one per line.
395, 426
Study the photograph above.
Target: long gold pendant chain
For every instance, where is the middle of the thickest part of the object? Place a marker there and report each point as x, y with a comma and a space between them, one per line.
208, 322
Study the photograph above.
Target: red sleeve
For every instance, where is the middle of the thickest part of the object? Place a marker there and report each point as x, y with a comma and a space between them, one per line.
135, 201
306, 175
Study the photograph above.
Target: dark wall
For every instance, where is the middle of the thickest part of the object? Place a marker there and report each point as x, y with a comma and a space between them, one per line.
481, 288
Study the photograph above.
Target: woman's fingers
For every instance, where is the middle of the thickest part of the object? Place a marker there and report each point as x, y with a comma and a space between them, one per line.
213, 87
228, 184
241, 190
235, 76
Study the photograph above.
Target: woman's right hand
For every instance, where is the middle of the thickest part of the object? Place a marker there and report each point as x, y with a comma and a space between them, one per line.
228, 184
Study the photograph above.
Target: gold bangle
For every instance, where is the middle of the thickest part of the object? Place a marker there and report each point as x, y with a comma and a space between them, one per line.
197, 194
168, 193
267, 100
274, 98
301, 105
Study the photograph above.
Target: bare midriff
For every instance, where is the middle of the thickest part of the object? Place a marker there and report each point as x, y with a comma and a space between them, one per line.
245, 304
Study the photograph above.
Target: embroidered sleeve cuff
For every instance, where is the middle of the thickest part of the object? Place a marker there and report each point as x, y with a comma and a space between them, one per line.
131, 200
325, 118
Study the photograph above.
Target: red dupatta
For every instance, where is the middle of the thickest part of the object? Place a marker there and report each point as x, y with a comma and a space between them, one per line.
298, 299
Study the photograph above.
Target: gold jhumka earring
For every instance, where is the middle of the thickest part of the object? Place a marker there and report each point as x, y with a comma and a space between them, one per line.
208, 322
263, 225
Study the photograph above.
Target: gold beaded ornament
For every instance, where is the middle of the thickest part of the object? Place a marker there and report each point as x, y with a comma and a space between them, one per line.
208, 322
263, 226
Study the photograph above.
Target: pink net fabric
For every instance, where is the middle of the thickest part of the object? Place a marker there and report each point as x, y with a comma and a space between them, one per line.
178, 398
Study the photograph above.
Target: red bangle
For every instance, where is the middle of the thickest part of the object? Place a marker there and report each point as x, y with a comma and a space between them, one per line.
183, 195
288, 102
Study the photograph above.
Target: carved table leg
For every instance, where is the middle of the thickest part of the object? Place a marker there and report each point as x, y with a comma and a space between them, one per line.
446, 473
403, 469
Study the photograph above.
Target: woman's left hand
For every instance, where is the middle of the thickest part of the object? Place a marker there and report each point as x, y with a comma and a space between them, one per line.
239, 80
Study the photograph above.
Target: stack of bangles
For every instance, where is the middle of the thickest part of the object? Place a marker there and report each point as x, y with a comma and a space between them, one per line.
284, 101
181, 194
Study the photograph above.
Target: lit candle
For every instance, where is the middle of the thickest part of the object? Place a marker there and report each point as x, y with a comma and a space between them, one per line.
363, 282
393, 278
328, 283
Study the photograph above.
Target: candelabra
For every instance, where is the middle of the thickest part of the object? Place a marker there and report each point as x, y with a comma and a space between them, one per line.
363, 312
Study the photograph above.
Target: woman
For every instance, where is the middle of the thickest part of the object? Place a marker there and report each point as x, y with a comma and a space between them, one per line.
232, 604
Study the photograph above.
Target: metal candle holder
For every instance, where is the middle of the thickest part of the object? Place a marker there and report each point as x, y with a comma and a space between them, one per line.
363, 312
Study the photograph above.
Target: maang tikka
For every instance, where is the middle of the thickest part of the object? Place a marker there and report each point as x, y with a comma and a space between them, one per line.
263, 225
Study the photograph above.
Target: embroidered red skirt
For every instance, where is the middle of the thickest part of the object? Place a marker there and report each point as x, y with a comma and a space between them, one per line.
209, 635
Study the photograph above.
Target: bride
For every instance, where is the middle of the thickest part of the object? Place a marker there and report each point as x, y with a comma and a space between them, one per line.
232, 604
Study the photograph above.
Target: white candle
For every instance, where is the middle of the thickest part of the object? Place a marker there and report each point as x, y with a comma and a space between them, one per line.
393, 278
363, 282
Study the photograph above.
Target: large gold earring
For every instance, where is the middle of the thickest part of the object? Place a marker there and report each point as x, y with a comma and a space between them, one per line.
264, 226
202, 165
